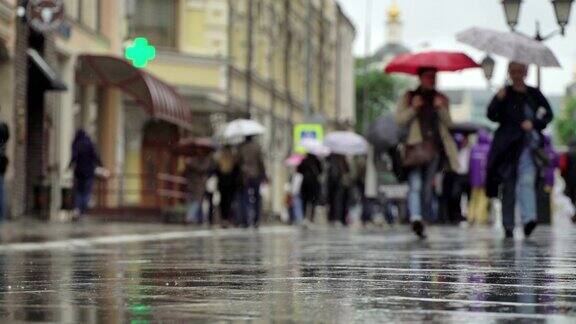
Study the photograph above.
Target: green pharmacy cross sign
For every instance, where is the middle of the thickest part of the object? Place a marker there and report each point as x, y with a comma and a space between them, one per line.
140, 52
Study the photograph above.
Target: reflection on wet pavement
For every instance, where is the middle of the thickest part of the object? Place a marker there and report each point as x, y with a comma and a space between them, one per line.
322, 275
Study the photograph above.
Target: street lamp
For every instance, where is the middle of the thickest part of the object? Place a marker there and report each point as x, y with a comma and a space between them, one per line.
562, 8
512, 10
488, 65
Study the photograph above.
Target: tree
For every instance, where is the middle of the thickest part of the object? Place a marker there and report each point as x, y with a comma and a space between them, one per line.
376, 93
566, 124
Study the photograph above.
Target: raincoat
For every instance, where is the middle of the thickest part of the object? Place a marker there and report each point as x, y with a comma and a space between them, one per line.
479, 160
554, 158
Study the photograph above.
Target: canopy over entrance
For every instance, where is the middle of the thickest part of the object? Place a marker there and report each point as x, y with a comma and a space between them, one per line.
156, 97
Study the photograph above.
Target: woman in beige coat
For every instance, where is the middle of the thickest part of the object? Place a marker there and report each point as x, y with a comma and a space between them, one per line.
428, 145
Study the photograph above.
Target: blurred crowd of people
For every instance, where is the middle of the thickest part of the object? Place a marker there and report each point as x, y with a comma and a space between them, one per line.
230, 179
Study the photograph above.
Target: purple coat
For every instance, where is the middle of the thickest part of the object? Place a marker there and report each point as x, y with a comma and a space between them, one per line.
554, 157
479, 160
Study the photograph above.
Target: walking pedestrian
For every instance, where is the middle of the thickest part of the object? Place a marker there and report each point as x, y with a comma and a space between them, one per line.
228, 174
252, 175
425, 114
196, 173
310, 168
478, 211
338, 188
546, 181
522, 113
85, 160
4, 137
456, 183
569, 173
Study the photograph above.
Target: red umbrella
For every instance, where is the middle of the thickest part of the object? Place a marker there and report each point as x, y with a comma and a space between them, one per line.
441, 61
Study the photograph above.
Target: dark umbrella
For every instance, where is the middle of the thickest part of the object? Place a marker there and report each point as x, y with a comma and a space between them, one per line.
384, 133
195, 146
466, 128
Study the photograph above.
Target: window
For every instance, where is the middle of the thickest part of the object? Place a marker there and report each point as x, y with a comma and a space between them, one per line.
90, 13
155, 20
72, 8
85, 12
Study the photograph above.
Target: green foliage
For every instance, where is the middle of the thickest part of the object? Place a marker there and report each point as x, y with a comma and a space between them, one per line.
566, 124
376, 93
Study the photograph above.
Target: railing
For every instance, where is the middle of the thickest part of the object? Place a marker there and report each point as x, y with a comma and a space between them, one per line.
152, 191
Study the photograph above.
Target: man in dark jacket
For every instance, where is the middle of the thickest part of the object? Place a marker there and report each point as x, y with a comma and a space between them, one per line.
523, 113
310, 169
253, 174
85, 160
4, 136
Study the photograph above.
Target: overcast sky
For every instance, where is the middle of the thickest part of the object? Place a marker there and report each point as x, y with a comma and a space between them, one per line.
433, 24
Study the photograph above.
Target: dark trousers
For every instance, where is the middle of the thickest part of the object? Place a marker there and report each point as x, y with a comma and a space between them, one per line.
250, 203
455, 187
368, 206
82, 193
338, 204
226, 200
309, 208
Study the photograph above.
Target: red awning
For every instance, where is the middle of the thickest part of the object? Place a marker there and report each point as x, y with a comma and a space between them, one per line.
158, 99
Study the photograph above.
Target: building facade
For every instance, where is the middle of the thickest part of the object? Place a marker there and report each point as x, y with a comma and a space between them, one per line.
41, 100
216, 60
249, 58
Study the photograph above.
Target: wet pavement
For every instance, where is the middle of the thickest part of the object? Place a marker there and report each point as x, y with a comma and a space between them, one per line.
92, 273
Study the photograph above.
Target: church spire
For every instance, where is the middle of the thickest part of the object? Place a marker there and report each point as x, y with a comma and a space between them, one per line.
393, 24
393, 13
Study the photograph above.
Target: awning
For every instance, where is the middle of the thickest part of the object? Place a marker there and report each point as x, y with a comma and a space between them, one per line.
50, 79
156, 97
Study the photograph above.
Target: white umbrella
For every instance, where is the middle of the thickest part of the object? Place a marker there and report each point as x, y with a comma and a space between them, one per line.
511, 45
242, 128
316, 147
346, 143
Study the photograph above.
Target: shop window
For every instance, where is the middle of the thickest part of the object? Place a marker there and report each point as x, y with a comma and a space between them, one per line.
155, 20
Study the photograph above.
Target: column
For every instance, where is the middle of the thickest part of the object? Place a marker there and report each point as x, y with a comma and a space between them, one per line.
61, 136
109, 117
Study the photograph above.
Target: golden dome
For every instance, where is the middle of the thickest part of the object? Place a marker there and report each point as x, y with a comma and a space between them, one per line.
394, 12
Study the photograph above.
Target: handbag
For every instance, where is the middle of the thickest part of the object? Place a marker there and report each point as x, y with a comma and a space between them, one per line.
418, 155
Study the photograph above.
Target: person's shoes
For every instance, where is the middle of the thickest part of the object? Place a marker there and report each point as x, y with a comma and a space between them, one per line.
418, 229
509, 233
529, 228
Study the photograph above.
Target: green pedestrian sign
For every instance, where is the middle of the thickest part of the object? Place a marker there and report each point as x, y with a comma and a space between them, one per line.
140, 52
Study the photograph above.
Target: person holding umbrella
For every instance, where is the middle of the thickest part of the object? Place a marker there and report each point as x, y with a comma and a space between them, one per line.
424, 114
251, 168
310, 189
342, 144
252, 175
522, 113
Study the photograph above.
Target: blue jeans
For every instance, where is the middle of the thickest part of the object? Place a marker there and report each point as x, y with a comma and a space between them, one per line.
250, 203
83, 192
298, 210
523, 188
421, 191
194, 213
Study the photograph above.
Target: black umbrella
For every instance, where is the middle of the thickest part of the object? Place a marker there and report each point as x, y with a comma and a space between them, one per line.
384, 133
466, 128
